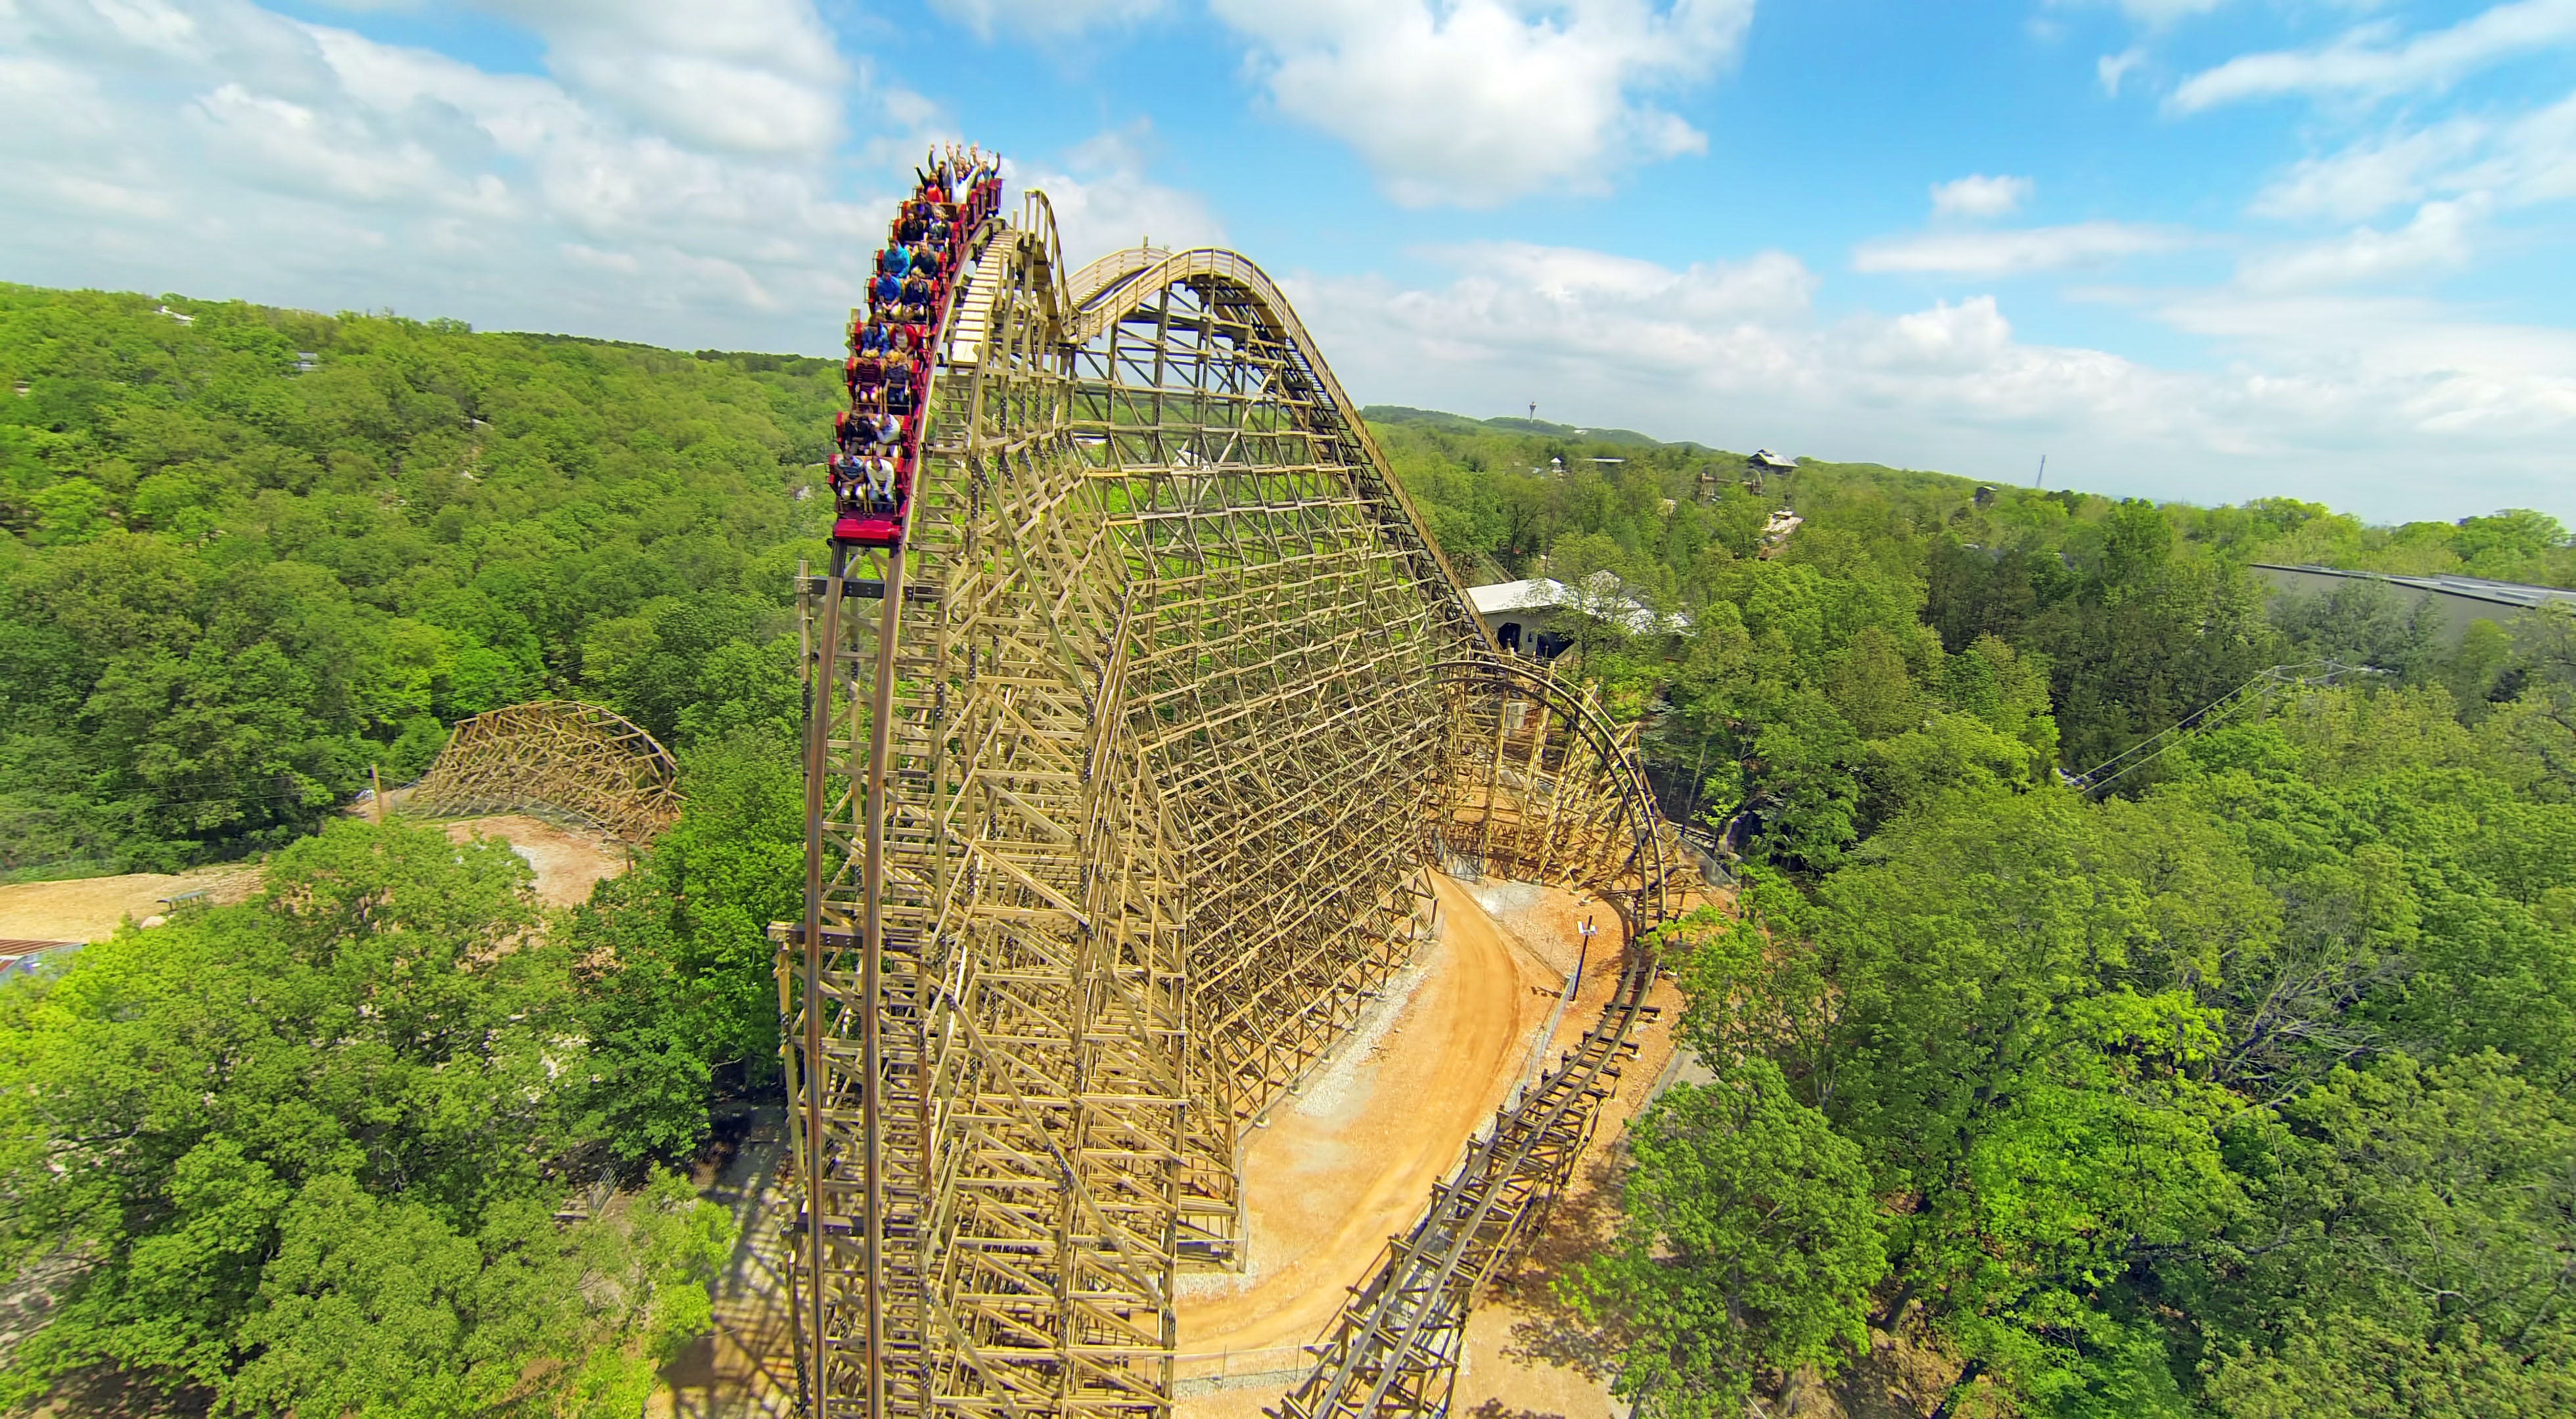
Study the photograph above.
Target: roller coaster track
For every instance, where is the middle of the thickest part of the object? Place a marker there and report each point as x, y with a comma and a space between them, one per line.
1123, 772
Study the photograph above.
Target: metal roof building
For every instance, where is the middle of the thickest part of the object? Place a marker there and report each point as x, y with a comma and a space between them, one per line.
2459, 600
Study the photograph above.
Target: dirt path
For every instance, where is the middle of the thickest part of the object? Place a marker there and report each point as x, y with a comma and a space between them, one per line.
1525, 1356
567, 862
91, 908
1352, 1161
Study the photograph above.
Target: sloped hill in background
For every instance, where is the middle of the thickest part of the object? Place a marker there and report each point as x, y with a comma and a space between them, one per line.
1433, 418
254, 550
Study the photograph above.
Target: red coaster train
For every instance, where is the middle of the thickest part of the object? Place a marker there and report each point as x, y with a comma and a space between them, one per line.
877, 440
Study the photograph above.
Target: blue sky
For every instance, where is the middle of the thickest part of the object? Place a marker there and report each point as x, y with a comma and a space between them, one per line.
2200, 249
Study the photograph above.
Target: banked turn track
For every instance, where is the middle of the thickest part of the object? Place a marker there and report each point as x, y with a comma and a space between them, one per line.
1122, 782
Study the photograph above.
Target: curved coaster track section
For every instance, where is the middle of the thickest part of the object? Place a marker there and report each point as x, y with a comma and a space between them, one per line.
1124, 768
580, 760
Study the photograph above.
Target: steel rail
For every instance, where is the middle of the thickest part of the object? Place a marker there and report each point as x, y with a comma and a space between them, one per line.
871, 984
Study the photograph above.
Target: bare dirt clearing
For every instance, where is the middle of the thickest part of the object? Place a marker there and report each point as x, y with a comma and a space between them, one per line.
91, 908
1325, 1189
567, 862
1353, 1158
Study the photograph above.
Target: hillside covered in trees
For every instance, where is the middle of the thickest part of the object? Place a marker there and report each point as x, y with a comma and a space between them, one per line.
253, 551
2238, 1087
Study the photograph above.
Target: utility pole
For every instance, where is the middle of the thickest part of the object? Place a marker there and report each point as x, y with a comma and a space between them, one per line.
2042, 480
1582, 954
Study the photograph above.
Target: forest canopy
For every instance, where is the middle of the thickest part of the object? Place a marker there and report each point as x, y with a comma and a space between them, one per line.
2234, 1085
252, 552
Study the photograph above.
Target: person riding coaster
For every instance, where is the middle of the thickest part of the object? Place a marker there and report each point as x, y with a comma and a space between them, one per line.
910, 282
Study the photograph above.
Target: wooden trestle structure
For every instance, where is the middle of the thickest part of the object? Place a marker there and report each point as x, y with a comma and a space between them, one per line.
1122, 779
579, 760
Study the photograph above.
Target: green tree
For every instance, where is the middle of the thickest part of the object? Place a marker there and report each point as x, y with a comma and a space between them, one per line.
2418, 1252
305, 1143
677, 974
243, 584
1748, 1243
381, 1308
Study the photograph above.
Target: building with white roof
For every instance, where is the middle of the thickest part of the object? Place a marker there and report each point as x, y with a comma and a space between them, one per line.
1522, 614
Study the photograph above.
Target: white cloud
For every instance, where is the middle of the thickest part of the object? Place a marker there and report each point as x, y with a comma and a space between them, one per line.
2370, 176
214, 147
274, 142
2436, 241
1967, 336
2366, 62
149, 24
2483, 162
1044, 17
2530, 160
2112, 68
1103, 201
2005, 253
1478, 102
1978, 195
759, 76
2366, 403
2400, 381
38, 95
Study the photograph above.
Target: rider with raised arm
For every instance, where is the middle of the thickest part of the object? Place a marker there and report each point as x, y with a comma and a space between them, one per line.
910, 281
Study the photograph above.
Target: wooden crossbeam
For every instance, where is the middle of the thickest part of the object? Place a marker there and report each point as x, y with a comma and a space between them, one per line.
1130, 810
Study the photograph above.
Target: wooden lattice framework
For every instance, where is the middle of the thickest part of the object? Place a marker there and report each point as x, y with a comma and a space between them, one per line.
578, 760
1542, 786
1122, 778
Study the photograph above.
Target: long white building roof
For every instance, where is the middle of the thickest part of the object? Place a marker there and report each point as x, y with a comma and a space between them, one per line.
1545, 593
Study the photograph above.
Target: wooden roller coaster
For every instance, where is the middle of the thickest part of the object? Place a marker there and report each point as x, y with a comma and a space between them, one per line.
579, 760
1133, 723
